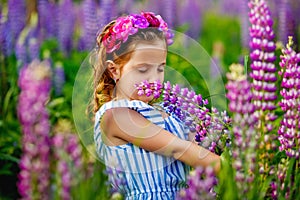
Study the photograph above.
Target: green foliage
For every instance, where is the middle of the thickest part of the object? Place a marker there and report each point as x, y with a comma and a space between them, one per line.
10, 137
94, 187
226, 30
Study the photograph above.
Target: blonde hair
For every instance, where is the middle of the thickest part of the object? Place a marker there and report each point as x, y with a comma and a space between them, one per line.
103, 82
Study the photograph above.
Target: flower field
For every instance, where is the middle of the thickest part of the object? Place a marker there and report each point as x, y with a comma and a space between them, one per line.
233, 76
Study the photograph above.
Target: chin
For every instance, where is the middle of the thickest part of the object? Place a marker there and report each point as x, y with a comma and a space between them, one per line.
145, 98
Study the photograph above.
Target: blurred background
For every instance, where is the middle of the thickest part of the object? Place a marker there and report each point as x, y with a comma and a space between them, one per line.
62, 32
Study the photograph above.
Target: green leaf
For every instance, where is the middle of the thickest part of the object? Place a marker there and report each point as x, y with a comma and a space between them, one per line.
9, 157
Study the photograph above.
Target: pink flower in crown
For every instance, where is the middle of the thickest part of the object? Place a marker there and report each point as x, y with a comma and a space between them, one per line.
151, 18
123, 28
163, 26
110, 41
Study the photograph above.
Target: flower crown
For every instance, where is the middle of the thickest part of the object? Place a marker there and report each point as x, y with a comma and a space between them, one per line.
129, 25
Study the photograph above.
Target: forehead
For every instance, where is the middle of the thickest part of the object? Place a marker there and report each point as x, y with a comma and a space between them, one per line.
149, 53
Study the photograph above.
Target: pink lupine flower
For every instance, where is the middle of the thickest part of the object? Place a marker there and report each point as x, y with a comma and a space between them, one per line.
35, 85
243, 121
289, 130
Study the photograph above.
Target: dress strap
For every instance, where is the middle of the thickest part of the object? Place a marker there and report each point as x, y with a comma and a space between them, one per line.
146, 110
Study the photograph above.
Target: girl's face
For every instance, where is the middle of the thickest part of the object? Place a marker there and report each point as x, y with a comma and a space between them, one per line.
147, 62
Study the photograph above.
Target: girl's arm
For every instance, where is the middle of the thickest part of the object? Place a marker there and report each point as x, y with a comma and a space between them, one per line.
130, 126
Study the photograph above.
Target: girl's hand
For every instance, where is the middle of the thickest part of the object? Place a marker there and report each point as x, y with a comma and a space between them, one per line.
128, 125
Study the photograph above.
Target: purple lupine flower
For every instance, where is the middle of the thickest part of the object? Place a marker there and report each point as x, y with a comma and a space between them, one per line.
263, 76
201, 182
27, 46
170, 10
107, 12
289, 130
115, 186
278, 186
127, 6
286, 21
262, 55
59, 78
35, 85
66, 24
33, 49
190, 12
16, 18
244, 24
21, 54
67, 152
43, 15
210, 127
230, 7
48, 22
148, 89
6, 40
90, 24
243, 121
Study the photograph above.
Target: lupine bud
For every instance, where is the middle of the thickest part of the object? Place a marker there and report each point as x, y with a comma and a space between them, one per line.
59, 78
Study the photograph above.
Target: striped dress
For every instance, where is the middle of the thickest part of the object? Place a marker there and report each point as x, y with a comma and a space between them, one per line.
135, 172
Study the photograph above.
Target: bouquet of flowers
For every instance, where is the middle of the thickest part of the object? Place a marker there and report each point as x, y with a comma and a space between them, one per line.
210, 125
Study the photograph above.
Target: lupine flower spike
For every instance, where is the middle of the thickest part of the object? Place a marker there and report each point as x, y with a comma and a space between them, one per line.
243, 121
263, 77
34, 176
68, 155
289, 131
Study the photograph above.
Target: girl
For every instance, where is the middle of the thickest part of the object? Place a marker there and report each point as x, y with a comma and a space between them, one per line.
145, 150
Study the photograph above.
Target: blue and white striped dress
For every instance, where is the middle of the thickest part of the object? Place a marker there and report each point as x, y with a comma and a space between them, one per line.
135, 172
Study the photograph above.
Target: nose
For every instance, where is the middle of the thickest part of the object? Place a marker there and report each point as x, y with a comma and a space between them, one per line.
155, 75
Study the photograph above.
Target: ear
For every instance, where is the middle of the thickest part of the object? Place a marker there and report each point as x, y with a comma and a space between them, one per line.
114, 69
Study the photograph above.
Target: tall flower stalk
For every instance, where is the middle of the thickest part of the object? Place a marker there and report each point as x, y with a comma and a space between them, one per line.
66, 24
289, 130
68, 156
48, 20
287, 180
243, 122
263, 78
90, 23
35, 85
16, 20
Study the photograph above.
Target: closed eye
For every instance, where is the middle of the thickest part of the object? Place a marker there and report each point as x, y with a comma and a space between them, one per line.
161, 68
142, 69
